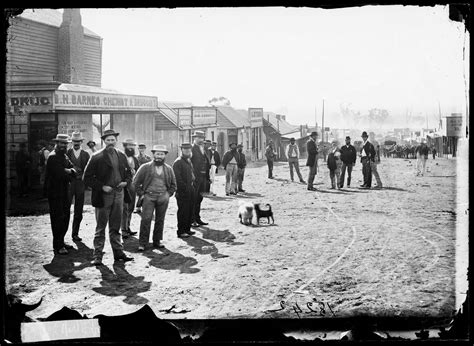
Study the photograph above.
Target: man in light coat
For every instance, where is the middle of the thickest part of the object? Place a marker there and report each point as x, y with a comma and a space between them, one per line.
293, 154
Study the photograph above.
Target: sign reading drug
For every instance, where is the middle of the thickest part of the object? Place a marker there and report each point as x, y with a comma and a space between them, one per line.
256, 117
454, 126
184, 116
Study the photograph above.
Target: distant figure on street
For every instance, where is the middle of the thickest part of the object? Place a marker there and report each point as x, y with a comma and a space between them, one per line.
108, 174
79, 159
157, 183
91, 148
422, 156
434, 153
207, 147
312, 160
129, 149
201, 172
215, 162
348, 158
229, 162
377, 150
142, 156
184, 173
59, 171
270, 155
241, 163
23, 168
293, 154
367, 155
334, 164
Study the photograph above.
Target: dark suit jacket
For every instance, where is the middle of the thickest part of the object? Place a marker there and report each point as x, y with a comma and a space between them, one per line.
229, 154
98, 172
200, 162
348, 155
56, 179
312, 150
80, 163
369, 150
242, 162
217, 158
183, 172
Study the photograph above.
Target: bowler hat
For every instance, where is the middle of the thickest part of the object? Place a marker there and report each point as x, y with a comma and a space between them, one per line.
109, 133
240, 145
129, 141
292, 139
232, 143
198, 134
214, 143
208, 141
364, 134
314, 133
347, 137
91, 142
142, 145
77, 137
159, 147
186, 146
62, 138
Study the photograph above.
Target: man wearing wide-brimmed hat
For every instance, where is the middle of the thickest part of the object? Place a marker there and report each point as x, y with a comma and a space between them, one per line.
108, 174
312, 160
59, 172
184, 173
155, 181
201, 167
79, 159
129, 149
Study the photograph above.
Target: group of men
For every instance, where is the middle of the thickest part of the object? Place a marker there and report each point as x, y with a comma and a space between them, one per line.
122, 181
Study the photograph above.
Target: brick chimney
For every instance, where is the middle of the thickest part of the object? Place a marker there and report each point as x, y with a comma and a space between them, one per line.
71, 47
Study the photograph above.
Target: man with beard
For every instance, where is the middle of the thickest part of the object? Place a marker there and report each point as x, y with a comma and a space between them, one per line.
214, 161
129, 148
108, 174
312, 160
348, 158
157, 183
229, 162
142, 156
59, 171
79, 159
241, 163
91, 148
200, 163
184, 173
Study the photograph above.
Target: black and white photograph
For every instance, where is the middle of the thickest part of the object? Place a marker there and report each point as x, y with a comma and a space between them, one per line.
236, 163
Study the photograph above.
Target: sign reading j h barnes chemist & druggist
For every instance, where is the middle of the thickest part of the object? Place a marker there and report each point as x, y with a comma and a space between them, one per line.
95, 101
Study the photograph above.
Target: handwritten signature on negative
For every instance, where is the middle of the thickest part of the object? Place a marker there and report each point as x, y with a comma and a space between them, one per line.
314, 307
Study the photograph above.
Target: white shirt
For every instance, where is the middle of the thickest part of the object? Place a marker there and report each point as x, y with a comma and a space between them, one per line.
212, 158
77, 153
295, 153
363, 154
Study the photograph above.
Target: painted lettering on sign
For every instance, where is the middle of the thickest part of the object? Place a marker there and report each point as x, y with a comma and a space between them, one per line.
184, 115
204, 116
256, 117
454, 126
30, 101
76, 100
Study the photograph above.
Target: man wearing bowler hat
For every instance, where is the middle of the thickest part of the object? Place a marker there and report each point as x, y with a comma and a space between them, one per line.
367, 155
201, 166
312, 160
129, 149
348, 158
156, 182
184, 173
108, 174
59, 172
79, 159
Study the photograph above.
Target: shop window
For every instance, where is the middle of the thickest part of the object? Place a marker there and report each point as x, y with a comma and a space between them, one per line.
100, 123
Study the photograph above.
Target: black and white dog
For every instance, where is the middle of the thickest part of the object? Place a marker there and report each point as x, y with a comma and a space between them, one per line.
259, 213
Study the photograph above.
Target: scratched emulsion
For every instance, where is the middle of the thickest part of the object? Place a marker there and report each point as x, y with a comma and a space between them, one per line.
330, 253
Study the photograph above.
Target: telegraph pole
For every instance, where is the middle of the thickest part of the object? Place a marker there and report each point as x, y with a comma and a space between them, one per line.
322, 124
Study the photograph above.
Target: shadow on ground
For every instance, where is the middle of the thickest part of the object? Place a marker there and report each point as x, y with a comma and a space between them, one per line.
168, 260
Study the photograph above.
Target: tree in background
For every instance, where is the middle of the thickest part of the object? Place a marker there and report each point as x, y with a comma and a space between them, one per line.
219, 101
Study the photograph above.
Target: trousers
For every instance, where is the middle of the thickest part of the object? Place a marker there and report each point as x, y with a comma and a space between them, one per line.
77, 191
240, 177
312, 173
231, 178
199, 188
59, 213
293, 162
334, 174
212, 175
349, 173
111, 214
270, 167
128, 208
157, 204
373, 169
366, 171
185, 211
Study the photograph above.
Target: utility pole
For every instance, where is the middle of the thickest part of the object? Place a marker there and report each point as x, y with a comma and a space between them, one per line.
322, 124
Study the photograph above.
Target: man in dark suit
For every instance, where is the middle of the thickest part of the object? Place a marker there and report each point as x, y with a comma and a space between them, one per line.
201, 167
215, 162
348, 158
312, 161
59, 171
108, 174
241, 163
184, 173
367, 155
79, 159
129, 150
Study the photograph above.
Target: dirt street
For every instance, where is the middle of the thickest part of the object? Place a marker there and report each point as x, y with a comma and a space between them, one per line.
329, 253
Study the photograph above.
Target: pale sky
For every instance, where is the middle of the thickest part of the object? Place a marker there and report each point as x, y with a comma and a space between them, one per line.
286, 60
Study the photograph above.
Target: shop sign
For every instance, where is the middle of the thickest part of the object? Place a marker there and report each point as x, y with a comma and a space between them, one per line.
204, 116
454, 126
83, 100
184, 116
69, 123
256, 117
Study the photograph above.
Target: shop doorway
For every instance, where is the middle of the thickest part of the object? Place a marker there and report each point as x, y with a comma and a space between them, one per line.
43, 128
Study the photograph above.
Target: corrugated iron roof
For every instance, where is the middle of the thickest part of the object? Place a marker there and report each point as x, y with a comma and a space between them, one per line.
50, 17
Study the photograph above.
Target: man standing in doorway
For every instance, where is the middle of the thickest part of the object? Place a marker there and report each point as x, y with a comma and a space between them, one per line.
215, 162
229, 162
367, 154
108, 174
157, 183
241, 163
270, 155
79, 159
312, 160
142, 156
129, 148
293, 156
59, 171
184, 173
201, 172
348, 158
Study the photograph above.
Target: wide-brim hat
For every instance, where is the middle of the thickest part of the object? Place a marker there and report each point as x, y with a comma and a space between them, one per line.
141, 145
214, 143
208, 141
314, 133
199, 134
109, 133
160, 147
129, 141
91, 142
232, 143
77, 137
186, 146
348, 137
292, 139
63, 138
